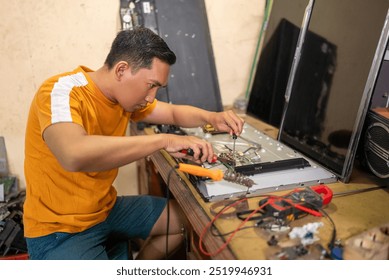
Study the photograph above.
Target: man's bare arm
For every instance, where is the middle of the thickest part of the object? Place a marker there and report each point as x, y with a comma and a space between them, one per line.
189, 116
78, 151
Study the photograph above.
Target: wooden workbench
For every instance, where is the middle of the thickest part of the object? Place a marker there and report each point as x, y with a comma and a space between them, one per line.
351, 214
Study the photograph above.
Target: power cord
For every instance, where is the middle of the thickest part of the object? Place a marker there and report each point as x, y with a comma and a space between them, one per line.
359, 191
224, 245
251, 215
168, 212
184, 233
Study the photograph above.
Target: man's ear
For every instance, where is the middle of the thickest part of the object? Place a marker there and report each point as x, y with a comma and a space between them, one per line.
120, 68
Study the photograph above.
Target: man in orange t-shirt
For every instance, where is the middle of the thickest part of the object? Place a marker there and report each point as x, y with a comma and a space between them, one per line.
75, 143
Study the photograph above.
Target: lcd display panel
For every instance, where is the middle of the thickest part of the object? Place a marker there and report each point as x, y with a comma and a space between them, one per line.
267, 93
331, 90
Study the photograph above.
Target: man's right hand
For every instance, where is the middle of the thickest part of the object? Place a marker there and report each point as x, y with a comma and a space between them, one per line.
202, 150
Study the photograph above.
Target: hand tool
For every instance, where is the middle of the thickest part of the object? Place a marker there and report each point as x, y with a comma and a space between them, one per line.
216, 174
233, 148
291, 206
208, 128
190, 152
298, 202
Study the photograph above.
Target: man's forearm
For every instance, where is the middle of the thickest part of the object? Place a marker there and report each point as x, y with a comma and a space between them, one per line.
181, 115
189, 116
100, 153
77, 151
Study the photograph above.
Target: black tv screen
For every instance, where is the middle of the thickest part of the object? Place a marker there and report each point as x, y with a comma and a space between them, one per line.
339, 60
267, 93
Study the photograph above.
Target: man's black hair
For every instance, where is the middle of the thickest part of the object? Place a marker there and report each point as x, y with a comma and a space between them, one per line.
138, 47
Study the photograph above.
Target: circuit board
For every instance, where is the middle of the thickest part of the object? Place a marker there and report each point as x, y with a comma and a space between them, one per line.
270, 164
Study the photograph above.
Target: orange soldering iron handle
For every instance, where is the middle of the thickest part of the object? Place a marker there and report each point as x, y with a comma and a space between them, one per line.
215, 174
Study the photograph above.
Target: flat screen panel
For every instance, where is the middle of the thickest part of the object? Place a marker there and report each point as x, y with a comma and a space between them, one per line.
332, 84
269, 84
183, 24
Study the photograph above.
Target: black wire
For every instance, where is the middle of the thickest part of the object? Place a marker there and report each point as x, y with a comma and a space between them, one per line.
358, 191
213, 229
168, 212
331, 244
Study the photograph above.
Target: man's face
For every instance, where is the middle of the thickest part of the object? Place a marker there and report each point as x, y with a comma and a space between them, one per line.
136, 90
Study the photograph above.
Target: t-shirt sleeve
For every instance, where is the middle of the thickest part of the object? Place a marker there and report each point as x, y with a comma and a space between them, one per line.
50, 112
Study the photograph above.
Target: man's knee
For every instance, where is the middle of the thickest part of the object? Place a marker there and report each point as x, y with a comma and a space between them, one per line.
176, 218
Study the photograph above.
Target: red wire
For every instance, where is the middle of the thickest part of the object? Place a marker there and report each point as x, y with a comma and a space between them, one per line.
223, 246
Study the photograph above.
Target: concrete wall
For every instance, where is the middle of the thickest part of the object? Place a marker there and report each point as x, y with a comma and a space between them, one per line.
41, 38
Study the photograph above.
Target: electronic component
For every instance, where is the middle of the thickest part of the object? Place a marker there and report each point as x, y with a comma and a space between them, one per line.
270, 164
256, 168
208, 128
250, 157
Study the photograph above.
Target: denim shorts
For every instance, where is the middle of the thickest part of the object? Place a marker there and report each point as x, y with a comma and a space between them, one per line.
131, 217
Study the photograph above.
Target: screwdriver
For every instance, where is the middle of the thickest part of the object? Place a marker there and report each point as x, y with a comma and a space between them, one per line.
190, 152
234, 137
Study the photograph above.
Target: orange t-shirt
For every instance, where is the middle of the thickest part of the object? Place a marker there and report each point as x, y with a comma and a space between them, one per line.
58, 200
